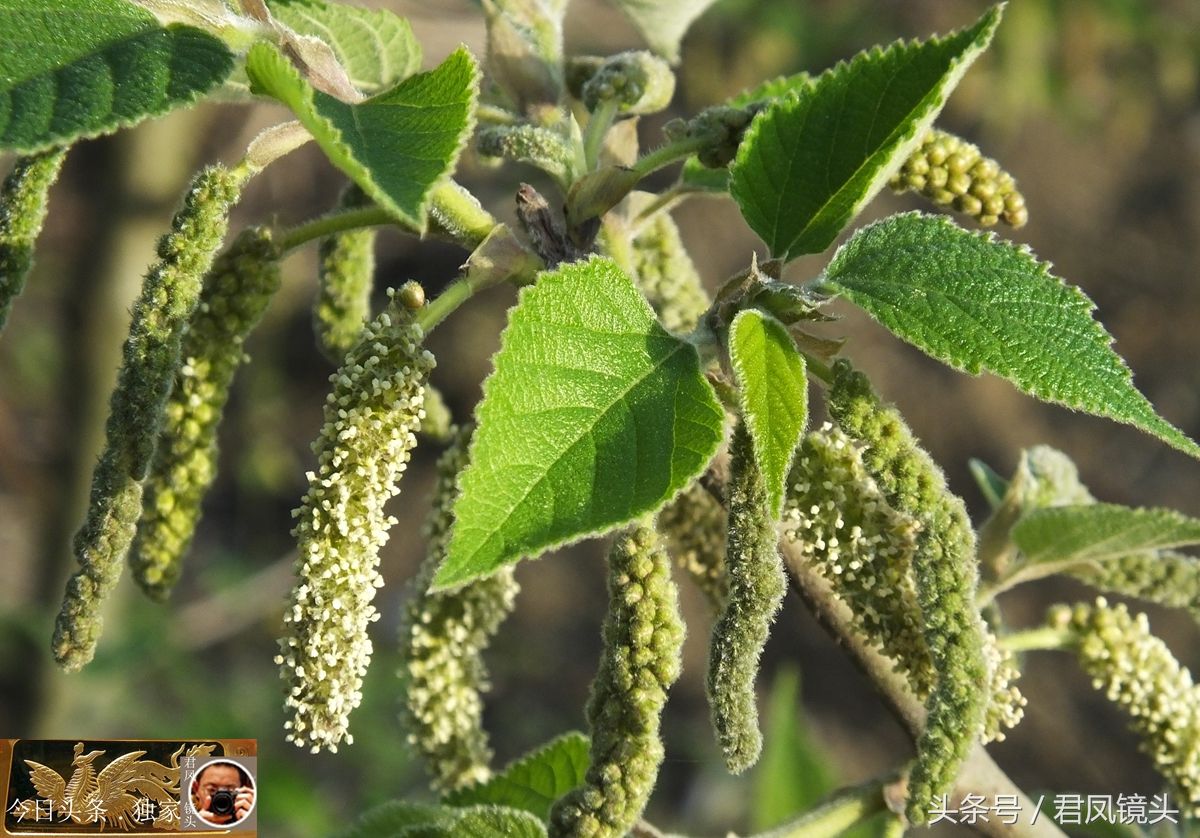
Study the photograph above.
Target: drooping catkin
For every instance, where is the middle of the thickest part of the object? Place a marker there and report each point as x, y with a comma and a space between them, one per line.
345, 277
234, 296
1164, 577
168, 298
371, 417
22, 212
442, 639
945, 573
643, 639
1136, 670
757, 584
665, 273
950, 171
694, 527
837, 516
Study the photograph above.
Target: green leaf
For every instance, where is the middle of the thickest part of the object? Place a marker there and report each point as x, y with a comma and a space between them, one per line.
792, 774
402, 819
774, 395
535, 781
397, 816
1069, 535
663, 23
495, 822
811, 161
72, 69
595, 414
395, 145
377, 48
978, 303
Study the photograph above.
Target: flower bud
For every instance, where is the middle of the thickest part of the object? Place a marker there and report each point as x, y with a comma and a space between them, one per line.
534, 145
22, 212
949, 170
639, 81
442, 639
1160, 576
643, 638
169, 296
757, 584
371, 417
234, 296
344, 280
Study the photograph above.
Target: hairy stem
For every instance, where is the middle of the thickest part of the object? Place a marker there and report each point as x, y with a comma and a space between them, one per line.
597, 127
335, 222
668, 154
1045, 638
840, 812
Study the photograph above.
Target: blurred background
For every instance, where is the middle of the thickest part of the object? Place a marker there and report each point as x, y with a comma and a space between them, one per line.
1095, 109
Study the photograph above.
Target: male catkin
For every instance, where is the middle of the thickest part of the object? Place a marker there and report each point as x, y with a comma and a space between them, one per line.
945, 573
694, 526
1164, 577
1137, 671
168, 298
22, 212
234, 296
442, 639
371, 417
344, 280
643, 637
664, 272
757, 584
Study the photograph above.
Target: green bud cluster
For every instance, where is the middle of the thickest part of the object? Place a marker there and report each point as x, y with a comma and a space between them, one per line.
694, 526
665, 273
950, 171
1047, 477
442, 639
639, 82
722, 127
345, 277
168, 298
22, 212
944, 569
1160, 576
234, 296
535, 145
757, 583
643, 639
1136, 670
371, 416
843, 526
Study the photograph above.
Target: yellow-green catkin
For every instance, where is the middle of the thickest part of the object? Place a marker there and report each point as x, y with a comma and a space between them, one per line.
757, 584
952, 172
22, 212
363, 449
1137, 671
643, 639
345, 277
169, 296
838, 518
664, 272
694, 527
234, 296
442, 639
945, 573
1164, 577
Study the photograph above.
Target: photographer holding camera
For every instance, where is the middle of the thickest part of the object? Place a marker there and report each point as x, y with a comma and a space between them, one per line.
222, 793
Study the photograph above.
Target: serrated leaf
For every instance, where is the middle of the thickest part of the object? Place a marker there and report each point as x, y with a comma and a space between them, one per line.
395, 145
811, 161
978, 303
1067, 535
773, 391
663, 23
495, 822
402, 819
377, 48
594, 415
535, 781
72, 69
792, 774
396, 817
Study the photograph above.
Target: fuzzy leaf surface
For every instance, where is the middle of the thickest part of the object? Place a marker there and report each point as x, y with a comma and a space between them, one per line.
72, 69
773, 391
535, 781
663, 23
403, 819
811, 161
397, 816
594, 415
978, 303
1065, 535
377, 48
395, 145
